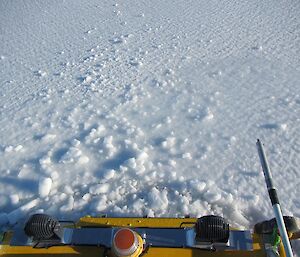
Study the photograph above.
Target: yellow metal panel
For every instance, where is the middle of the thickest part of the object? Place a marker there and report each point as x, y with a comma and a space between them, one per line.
6, 250
137, 222
173, 252
68, 251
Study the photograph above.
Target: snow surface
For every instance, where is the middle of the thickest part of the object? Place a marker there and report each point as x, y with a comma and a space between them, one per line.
149, 108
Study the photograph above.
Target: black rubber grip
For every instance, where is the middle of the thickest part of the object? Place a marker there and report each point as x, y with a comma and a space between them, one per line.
273, 196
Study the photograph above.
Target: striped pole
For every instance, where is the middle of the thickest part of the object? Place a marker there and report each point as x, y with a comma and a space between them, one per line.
274, 199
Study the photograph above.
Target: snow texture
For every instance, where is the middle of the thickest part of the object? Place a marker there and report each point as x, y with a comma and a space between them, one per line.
149, 108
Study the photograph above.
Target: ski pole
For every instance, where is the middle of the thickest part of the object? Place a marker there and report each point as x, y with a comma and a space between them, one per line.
274, 199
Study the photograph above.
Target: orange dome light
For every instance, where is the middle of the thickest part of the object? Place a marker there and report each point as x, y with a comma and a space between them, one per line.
127, 243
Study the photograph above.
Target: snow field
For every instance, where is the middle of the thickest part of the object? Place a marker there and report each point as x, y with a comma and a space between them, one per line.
140, 108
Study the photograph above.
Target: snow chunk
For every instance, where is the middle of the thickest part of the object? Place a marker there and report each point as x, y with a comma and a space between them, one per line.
172, 163
131, 163
236, 215
169, 142
187, 156
25, 172
109, 174
17, 214
158, 200
68, 190
88, 79
8, 149
48, 137
95, 134
14, 199
150, 213
83, 159
99, 189
18, 148
142, 157
283, 126
168, 120
45, 186
45, 160
75, 155
87, 197
169, 72
108, 145
208, 115
41, 73
135, 62
212, 196
197, 185
100, 205
138, 206
118, 40
54, 175
68, 206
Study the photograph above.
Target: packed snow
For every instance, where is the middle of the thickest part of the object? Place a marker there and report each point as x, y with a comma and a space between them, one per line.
134, 108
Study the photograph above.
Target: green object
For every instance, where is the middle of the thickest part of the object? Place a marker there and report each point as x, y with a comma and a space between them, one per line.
275, 237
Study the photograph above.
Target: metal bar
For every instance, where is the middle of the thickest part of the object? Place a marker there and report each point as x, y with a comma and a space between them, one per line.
274, 199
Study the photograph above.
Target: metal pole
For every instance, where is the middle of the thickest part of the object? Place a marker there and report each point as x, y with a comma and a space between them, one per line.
274, 199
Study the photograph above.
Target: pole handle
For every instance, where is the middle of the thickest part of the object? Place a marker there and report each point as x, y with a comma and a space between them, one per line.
274, 199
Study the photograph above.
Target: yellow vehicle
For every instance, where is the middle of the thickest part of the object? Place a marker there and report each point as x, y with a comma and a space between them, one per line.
210, 236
